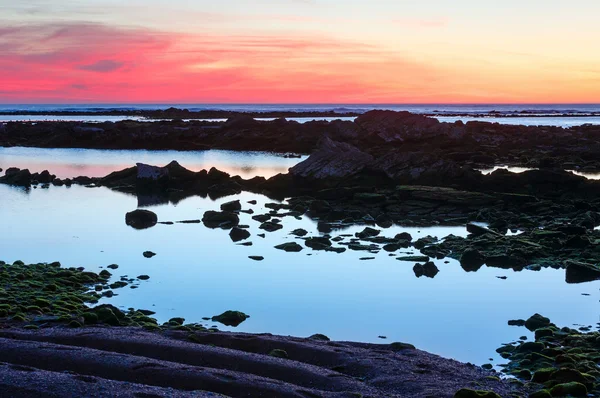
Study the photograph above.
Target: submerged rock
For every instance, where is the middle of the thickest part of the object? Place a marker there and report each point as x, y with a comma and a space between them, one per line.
141, 219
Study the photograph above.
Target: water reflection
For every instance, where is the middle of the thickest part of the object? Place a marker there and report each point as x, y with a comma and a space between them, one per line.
200, 272
69, 163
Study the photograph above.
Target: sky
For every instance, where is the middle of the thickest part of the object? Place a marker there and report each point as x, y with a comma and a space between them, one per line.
299, 51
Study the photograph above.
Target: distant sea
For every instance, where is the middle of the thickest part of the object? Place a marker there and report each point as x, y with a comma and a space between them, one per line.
565, 115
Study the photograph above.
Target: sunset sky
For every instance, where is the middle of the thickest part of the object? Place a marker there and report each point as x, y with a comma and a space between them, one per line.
299, 51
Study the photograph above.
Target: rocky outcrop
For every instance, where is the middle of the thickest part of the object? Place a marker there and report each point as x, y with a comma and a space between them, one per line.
333, 160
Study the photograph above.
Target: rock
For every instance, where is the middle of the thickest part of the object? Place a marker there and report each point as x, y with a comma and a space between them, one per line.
413, 258
428, 269
141, 219
318, 243
403, 236
579, 272
262, 217
299, 232
333, 159
270, 226
320, 337
230, 318
516, 322
149, 254
237, 234
384, 221
232, 206
256, 258
367, 233
569, 390
223, 219
471, 260
17, 177
537, 321
143, 277
289, 247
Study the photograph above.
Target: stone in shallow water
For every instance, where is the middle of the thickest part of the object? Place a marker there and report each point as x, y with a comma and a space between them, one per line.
289, 247
149, 254
224, 219
256, 258
237, 234
428, 269
234, 205
230, 318
141, 219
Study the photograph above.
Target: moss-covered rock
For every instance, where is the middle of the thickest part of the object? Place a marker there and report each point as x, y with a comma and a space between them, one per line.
230, 318
569, 390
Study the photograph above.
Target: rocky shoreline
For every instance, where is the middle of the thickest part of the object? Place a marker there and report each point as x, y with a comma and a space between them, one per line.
383, 169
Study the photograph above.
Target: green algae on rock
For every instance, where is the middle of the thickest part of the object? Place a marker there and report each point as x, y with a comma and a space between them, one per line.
562, 361
230, 318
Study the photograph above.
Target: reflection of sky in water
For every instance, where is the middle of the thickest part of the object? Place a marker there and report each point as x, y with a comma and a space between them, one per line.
199, 272
528, 121
98, 163
588, 175
511, 169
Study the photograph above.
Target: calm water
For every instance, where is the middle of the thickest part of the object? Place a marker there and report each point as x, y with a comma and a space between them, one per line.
68, 163
199, 272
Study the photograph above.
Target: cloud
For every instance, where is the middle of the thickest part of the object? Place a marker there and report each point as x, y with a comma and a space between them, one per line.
104, 65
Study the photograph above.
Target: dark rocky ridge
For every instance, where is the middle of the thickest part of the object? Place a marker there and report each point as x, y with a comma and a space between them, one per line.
392, 138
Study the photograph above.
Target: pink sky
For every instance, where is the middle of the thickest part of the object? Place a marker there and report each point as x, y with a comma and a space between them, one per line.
68, 55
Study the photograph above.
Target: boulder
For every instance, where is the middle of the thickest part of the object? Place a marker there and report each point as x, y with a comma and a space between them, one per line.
141, 219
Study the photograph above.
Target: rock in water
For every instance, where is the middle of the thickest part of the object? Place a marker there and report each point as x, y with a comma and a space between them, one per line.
578, 272
232, 206
230, 318
237, 234
289, 247
149, 254
428, 269
141, 219
224, 219
471, 260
